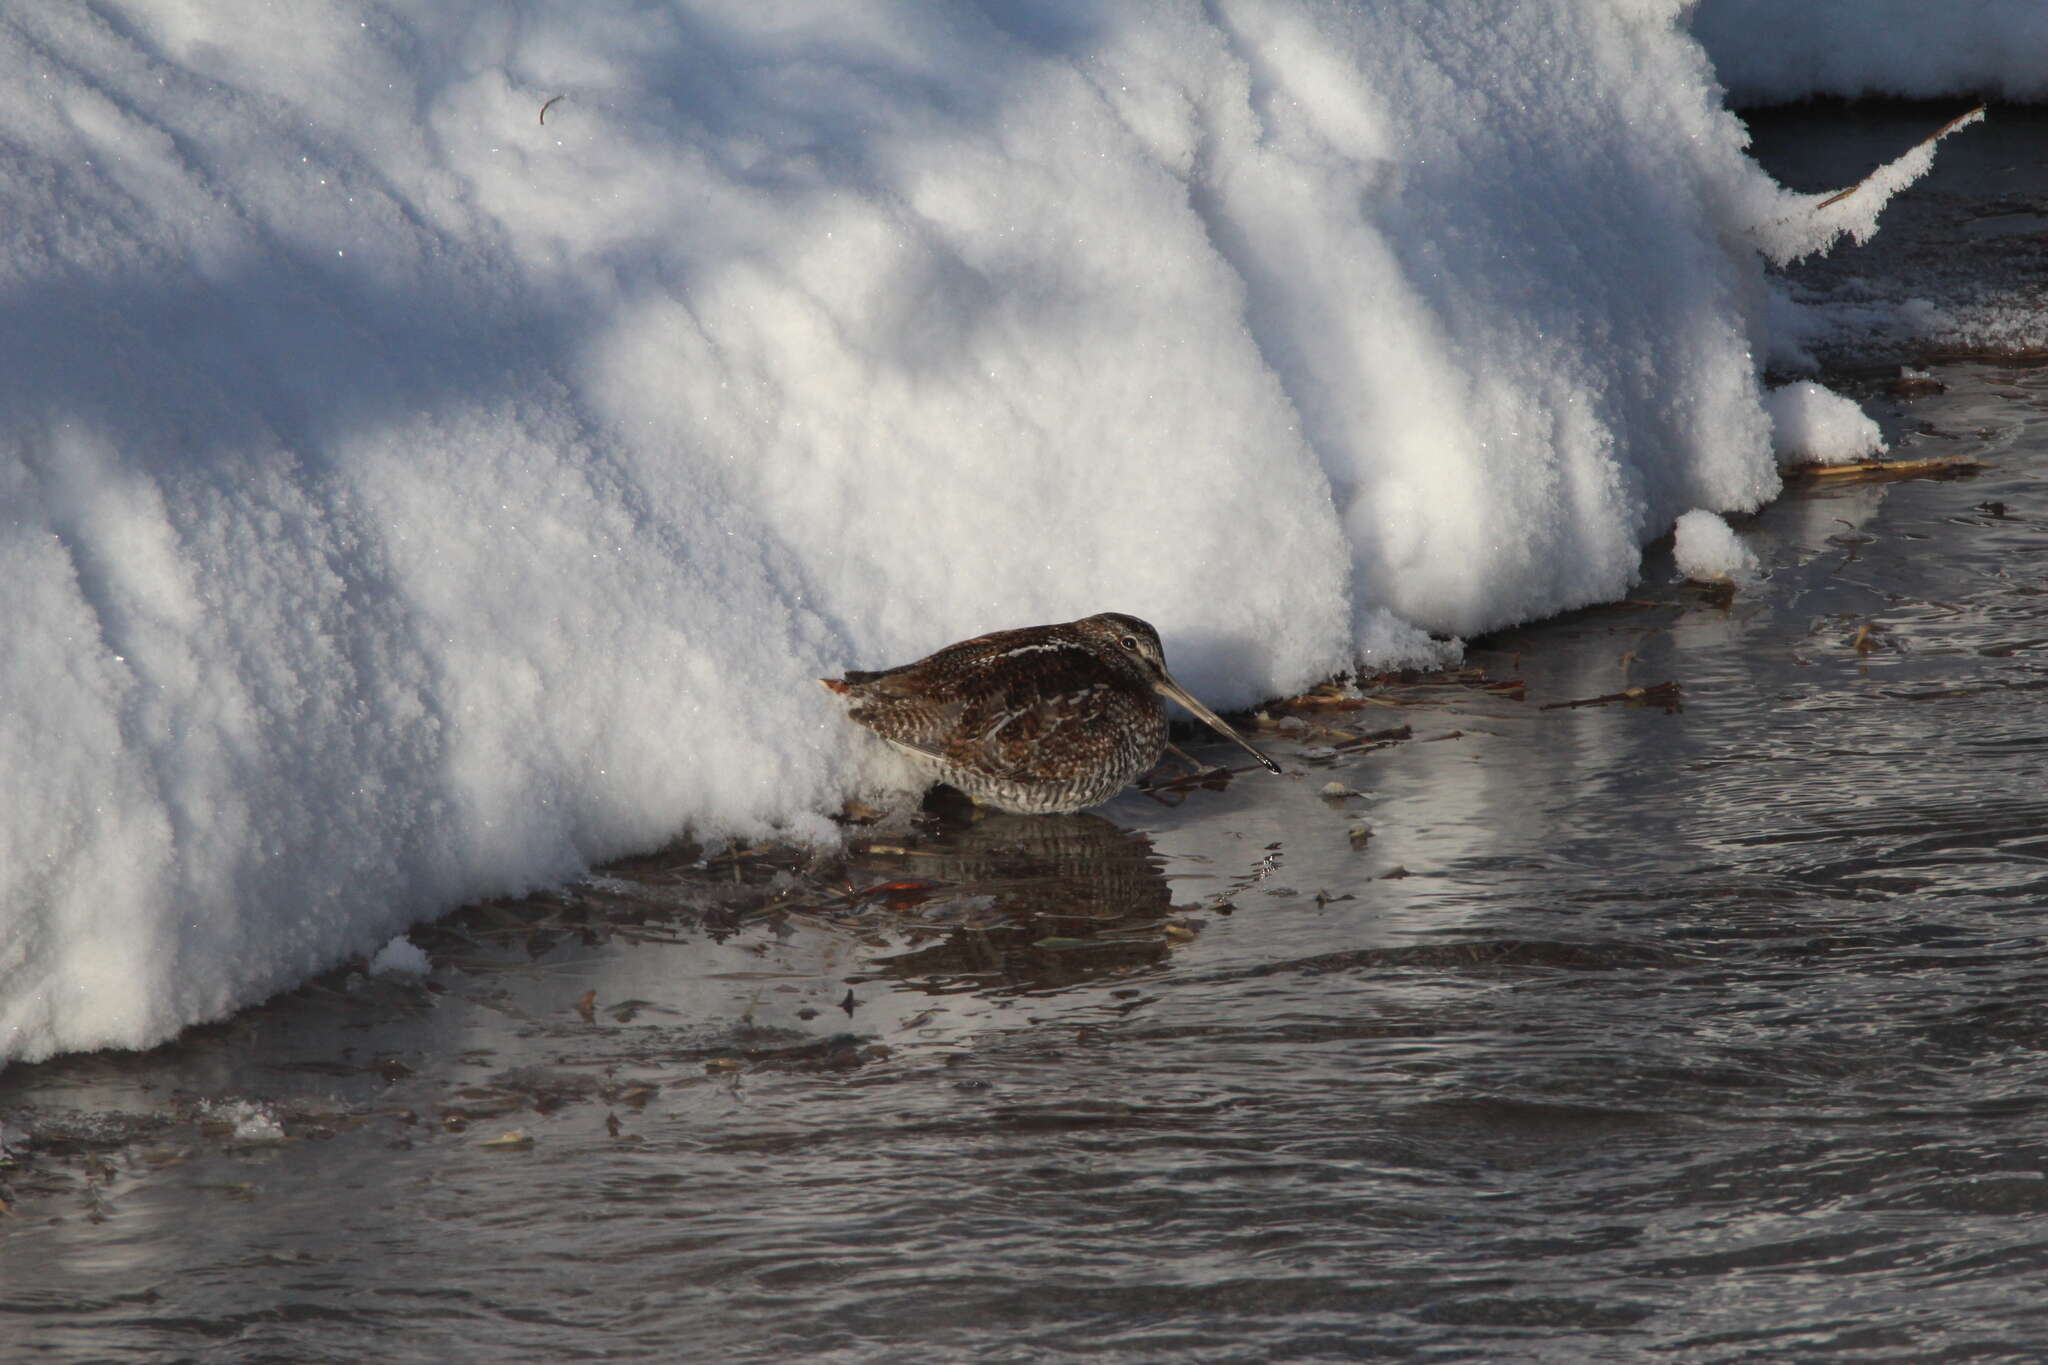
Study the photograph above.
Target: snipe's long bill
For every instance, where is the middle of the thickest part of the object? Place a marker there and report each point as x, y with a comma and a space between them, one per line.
1040, 720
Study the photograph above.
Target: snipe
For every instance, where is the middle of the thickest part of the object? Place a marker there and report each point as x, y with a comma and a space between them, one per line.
1040, 720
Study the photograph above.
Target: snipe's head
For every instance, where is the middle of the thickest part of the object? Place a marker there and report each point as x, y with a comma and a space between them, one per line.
1129, 644
1132, 644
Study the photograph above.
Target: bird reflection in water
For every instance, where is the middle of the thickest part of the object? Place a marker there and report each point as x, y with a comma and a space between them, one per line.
1034, 901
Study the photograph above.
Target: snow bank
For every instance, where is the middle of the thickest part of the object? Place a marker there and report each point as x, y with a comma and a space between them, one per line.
408, 499
1810, 425
400, 957
1707, 548
1772, 52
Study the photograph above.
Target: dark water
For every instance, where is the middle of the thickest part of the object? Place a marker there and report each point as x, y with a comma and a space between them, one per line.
1597, 1033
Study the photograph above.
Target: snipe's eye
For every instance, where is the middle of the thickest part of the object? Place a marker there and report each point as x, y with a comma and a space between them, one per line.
1129, 642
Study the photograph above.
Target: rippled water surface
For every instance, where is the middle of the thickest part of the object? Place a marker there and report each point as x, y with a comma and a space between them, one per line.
1707, 1025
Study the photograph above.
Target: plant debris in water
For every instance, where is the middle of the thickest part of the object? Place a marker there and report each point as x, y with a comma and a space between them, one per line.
1879, 471
1666, 696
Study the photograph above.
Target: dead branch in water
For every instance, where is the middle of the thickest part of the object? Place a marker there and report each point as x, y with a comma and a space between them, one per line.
1872, 471
1664, 695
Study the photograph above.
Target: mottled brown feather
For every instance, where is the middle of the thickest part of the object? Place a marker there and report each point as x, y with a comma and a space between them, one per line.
1046, 718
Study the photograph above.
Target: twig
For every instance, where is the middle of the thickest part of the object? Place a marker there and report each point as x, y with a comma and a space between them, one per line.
1664, 694
1959, 121
1940, 467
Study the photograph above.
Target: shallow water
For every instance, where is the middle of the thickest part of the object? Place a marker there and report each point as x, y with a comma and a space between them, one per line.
1585, 1033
